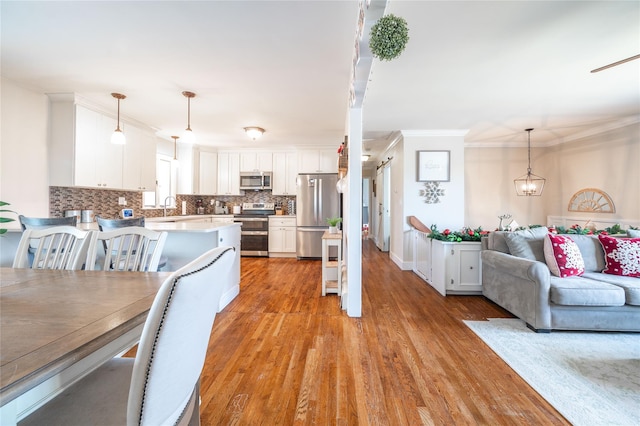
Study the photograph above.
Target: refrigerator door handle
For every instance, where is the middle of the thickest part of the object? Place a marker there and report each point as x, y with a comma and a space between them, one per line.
315, 200
319, 203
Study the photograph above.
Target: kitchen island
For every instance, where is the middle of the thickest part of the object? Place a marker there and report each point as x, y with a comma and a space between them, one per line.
186, 241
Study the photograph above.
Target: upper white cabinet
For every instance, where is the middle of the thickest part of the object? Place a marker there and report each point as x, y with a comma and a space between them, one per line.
208, 173
228, 173
252, 161
318, 161
80, 151
139, 160
285, 171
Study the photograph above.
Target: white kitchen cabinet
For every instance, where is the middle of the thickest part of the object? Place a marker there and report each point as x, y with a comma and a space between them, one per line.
318, 161
228, 173
256, 161
282, 236
456, 268
81, 153
285, 171
208, 173
139, 160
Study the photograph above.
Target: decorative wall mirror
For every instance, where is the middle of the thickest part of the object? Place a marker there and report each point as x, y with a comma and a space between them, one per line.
591, 200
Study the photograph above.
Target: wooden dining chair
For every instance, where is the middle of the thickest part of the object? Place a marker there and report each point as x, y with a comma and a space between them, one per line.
58, 247
131, 248
111, 224
163, 381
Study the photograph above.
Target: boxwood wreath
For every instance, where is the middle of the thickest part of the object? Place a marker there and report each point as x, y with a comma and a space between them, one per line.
388, 37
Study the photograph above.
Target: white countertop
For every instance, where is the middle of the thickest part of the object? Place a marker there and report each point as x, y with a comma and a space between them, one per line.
188, 217
174, 226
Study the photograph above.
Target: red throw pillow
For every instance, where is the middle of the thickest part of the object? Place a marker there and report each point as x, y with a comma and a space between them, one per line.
563, 256
621, 255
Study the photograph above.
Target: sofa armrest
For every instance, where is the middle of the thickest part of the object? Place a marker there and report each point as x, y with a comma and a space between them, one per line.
519, 285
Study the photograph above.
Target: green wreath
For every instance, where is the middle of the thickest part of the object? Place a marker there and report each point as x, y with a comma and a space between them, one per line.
388, 37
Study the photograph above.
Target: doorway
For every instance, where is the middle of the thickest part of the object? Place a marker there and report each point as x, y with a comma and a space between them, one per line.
383, 225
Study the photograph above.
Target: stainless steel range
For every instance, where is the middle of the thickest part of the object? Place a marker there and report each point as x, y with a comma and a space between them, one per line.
254, 235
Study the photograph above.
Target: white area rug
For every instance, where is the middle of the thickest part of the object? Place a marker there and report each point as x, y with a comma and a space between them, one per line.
591, 378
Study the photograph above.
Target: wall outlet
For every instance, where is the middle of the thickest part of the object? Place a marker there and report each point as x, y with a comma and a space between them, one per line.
122, 201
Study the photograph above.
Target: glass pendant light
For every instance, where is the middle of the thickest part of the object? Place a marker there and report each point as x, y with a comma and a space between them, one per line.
187, 136
117, 138
529, 185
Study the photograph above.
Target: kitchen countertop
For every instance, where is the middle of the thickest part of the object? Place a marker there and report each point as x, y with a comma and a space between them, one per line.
188, 217
174, 226
282, 215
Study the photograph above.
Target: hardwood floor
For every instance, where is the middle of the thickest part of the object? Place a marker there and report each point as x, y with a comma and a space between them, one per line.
281, 354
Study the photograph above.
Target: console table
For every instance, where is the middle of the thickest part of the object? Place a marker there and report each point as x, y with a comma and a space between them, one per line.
331, 269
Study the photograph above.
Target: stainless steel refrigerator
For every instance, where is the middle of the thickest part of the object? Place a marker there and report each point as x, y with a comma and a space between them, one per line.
317, 199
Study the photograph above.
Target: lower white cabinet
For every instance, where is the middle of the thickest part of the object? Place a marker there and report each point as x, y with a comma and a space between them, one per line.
450, 268
282, 236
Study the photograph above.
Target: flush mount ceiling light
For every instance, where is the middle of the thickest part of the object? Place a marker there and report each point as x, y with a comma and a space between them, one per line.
365, 158
254, 132
529, 184
187, 136
175, 147
117, 138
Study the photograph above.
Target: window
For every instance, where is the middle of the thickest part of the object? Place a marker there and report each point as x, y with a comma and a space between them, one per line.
165, 184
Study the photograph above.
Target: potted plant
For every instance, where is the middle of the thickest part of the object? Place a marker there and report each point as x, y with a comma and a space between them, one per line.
5, 219
333, 224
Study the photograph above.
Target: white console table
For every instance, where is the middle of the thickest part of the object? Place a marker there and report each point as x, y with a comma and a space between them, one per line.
331, 269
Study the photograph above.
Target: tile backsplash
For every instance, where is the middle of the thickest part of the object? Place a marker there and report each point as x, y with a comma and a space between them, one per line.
104, 202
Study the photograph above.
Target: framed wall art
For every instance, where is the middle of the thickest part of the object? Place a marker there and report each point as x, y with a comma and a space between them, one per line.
433, 166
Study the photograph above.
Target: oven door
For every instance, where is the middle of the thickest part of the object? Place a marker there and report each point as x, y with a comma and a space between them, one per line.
254, 236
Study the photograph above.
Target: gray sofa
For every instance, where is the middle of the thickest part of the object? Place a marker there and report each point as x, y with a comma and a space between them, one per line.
516, 277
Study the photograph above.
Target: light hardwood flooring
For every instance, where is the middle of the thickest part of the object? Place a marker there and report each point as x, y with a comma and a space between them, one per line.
281, 354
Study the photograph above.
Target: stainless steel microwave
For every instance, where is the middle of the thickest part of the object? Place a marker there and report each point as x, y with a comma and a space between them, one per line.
255, 180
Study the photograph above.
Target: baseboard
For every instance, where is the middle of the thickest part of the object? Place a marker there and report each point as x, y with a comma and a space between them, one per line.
405, 266
228, 296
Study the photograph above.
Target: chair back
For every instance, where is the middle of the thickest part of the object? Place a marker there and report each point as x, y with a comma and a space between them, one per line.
58, 247
46, 222
127, 249
111, 224
174, 340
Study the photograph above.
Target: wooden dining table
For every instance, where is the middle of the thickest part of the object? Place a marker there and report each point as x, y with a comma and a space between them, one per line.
57, 326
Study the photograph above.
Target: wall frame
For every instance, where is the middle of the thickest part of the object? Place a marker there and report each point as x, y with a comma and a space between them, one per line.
433, 166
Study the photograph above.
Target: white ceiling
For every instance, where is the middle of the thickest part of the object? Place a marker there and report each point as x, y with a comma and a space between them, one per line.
494, 68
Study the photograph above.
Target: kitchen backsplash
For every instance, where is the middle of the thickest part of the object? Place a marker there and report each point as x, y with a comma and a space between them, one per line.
104, 202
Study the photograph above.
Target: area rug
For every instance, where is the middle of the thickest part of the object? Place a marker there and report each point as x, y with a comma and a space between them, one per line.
590, 378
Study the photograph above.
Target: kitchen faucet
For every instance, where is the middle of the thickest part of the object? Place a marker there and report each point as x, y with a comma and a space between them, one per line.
165, 204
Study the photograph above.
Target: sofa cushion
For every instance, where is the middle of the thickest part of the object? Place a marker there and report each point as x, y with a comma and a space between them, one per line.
581, 291
527, 243
630, 285
563, 256
591, 251
622, 255
497, 242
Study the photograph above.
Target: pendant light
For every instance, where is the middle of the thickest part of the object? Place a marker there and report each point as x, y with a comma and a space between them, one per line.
117, 138
187, 136
529, 184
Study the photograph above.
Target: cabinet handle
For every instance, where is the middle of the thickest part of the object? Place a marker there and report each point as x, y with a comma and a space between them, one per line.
470, 267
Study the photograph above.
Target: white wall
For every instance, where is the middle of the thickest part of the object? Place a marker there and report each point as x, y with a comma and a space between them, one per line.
24, 173
608, 161
405, 189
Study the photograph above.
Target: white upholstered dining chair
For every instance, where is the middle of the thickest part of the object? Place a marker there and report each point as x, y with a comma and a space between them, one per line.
131, 248
164, 378
57, 247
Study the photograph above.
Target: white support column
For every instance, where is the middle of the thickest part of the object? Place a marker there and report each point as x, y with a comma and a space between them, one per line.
354, 216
